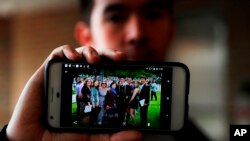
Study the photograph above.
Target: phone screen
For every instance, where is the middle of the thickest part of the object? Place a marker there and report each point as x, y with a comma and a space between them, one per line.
116, 96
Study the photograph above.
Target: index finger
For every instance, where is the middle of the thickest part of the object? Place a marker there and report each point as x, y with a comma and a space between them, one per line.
65, 51
89, 53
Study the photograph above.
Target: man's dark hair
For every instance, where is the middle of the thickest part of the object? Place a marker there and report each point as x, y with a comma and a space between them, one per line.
86, 8
144, 77
87, 5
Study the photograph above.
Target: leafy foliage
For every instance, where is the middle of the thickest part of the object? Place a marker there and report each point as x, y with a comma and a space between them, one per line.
128, 73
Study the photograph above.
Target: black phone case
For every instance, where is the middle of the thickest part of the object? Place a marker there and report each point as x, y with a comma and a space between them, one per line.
113, 130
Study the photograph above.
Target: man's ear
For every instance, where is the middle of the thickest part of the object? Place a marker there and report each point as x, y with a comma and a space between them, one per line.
82, 33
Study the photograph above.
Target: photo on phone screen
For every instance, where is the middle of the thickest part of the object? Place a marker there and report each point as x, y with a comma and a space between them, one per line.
112, 96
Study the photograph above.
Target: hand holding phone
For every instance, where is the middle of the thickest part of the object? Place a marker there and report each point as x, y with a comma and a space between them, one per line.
26, 123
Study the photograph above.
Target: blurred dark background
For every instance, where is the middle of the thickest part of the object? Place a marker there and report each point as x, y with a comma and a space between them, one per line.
212, 38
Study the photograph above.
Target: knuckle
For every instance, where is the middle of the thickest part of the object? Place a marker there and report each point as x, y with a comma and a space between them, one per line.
66, 47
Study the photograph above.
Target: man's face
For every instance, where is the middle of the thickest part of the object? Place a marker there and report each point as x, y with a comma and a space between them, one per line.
129, 81
143, 80
142, 29
122, 80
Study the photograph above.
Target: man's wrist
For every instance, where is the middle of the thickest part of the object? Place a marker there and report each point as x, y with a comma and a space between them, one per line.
3, 135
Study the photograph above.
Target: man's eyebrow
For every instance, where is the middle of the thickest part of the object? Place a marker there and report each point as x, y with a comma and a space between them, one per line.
114, 7
156, 4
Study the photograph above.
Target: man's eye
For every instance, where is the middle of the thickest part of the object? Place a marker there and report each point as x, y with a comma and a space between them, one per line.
116, 18
153, 14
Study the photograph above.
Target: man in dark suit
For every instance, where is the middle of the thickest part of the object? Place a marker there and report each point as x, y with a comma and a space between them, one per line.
144, 96
122, 94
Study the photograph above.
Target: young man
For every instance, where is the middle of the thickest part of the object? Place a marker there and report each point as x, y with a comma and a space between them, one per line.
116, 29
125, 29
123, 92
153, 90
144, 95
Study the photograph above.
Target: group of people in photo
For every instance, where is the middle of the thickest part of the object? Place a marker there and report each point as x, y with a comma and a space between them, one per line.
113, 101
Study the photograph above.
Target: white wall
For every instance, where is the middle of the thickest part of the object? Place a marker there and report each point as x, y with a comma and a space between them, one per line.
201, 45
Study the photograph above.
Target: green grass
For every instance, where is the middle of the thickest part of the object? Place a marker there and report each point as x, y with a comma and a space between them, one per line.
154, 112
74, 108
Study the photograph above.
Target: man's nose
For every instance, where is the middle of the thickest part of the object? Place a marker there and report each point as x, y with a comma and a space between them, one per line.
134, 29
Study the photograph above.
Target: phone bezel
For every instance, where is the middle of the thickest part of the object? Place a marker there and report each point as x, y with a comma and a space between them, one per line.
184, 98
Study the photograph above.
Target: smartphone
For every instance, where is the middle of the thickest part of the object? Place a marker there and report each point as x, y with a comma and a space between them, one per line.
111, 96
